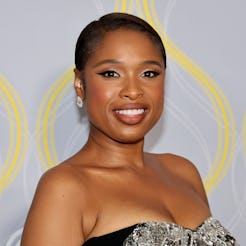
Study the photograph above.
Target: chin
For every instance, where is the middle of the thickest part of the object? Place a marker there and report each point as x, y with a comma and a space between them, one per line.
128, 138
131, 135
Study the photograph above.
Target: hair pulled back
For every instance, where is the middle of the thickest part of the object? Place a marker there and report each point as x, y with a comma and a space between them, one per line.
94, 32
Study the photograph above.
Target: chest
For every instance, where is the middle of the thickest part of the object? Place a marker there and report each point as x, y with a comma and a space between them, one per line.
147, 198
122, 200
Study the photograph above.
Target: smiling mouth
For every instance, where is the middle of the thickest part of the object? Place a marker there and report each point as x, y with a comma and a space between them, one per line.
132, 115
130, 112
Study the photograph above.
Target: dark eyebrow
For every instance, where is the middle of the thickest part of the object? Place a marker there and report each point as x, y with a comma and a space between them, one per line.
153, 62
114, 61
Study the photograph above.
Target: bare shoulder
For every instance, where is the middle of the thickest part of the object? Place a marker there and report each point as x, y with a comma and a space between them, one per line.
56, 212
183, 169
60, 183
179, 165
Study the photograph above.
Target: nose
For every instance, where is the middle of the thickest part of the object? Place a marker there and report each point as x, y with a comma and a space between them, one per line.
131, 89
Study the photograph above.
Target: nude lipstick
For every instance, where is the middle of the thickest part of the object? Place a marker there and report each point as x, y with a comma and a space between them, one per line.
130, 114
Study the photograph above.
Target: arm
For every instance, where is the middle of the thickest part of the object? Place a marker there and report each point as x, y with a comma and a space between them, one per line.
55, 215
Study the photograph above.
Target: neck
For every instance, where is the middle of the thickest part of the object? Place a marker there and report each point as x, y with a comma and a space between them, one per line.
105, 151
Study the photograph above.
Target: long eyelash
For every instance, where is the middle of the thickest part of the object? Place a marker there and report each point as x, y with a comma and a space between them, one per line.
105, 72
155, 73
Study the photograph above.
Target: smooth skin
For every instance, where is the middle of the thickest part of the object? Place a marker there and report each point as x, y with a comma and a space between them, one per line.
111, 183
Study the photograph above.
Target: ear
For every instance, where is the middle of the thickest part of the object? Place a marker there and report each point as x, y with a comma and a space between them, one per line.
78, 84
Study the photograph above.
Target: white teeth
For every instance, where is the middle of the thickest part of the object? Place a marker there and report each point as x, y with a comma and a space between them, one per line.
130, 111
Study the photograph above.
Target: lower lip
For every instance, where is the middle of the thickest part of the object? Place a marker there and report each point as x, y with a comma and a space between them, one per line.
130, 119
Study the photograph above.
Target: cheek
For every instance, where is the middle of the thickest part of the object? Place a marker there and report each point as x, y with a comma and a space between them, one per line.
157, 94
98, 94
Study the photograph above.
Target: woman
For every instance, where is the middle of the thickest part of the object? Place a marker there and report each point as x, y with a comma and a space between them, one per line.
111, 192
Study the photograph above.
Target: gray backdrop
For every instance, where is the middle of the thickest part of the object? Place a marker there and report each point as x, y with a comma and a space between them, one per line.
204, 119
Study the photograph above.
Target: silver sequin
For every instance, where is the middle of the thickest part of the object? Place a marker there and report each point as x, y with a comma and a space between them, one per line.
210, 233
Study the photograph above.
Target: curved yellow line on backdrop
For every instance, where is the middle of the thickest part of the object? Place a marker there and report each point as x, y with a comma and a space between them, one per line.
224, 154
116, 5
214, 93
39, 129
5, 95
61, 90
126, 6
130, 6
213, 178
17, 146
123, 5
244, 133
139, 9
47, 109
184, 60
49, 106
199, 75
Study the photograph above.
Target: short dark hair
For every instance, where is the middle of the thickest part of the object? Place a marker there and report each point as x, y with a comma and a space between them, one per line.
93, 33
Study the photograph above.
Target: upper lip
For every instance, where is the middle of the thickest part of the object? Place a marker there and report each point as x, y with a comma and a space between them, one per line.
130, 106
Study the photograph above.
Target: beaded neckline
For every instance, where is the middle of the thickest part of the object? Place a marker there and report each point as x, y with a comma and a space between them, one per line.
176, 225
154, 222
209, 232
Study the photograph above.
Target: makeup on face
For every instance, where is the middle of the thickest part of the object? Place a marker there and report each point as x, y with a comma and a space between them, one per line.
125, 84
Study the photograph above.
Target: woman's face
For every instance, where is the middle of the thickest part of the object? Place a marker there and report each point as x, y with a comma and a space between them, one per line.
124, 80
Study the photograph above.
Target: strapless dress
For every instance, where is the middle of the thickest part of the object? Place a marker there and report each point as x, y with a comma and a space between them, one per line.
158, 233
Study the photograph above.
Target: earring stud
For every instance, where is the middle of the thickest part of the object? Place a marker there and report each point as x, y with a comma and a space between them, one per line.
79, 102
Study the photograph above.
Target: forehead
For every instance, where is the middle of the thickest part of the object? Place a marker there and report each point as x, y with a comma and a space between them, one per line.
124, 42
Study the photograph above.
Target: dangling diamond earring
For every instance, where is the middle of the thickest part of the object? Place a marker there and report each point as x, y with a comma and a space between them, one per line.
79, 102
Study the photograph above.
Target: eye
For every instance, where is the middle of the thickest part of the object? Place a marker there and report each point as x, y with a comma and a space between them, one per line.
109, 74
150, 74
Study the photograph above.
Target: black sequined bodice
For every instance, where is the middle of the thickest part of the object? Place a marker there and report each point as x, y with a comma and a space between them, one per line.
157, 233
